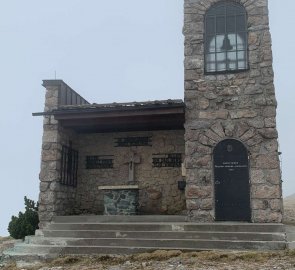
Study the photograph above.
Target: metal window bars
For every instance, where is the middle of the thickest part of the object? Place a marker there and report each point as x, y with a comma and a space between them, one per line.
226, 38
69, 166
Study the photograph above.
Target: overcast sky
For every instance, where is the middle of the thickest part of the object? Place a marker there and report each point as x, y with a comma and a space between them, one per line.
107, 51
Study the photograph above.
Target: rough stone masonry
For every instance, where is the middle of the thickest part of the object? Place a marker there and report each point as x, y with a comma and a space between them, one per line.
158, 190
240, 105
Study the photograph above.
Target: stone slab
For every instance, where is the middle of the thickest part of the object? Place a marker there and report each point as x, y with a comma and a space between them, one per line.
118, 187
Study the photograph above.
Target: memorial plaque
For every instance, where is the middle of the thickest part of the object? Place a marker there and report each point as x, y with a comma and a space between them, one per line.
99, 162
167, 160
231, 181
133, 141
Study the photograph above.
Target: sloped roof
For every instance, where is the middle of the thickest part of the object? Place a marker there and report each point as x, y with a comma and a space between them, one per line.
75, 112
115, 117
154, 103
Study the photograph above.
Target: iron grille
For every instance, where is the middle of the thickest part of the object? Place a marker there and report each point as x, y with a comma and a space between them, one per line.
99, 162
69, 166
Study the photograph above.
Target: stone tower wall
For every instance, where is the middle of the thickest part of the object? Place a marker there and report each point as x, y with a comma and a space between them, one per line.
240, 106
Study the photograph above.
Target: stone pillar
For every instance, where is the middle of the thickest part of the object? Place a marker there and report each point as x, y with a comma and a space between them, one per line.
240, 105
54, 198
50, 158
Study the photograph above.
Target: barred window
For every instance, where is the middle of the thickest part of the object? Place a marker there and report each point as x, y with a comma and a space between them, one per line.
226, 38
69, 166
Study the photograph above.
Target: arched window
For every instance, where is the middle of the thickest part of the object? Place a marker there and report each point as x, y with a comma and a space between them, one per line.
226, 38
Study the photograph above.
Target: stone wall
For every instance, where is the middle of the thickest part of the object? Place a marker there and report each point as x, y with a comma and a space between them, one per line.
240, 105
158, 191
54, 199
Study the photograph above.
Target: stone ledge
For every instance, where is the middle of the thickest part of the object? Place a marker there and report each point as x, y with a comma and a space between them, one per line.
118, 187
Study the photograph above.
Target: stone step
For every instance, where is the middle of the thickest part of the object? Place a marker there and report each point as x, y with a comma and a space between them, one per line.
35, 251
142, 242
97, 246
27, 257
167, 226
123, 237
118, 219
164, 235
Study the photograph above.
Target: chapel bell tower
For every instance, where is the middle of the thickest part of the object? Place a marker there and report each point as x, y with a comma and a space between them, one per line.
232, 161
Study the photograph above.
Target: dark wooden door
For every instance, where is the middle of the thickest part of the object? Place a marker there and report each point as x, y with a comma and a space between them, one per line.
231, 181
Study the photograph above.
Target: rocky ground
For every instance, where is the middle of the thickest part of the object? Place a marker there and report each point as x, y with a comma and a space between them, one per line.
175, 260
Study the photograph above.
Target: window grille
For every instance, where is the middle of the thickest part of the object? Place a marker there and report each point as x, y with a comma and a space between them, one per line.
226, 38
69, 166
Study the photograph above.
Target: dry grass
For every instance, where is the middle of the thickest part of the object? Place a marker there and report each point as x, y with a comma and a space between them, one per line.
164, 255
10, 267
159, 255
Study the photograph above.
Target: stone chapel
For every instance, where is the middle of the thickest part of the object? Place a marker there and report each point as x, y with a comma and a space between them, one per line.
211, 157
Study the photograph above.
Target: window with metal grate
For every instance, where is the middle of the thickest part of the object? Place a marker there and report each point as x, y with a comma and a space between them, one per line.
69, 166
226, 38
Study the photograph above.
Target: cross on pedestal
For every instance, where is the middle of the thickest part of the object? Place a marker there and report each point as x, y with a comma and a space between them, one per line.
134, 159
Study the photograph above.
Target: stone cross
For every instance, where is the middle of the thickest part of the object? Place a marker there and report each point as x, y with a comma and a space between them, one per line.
134, 159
